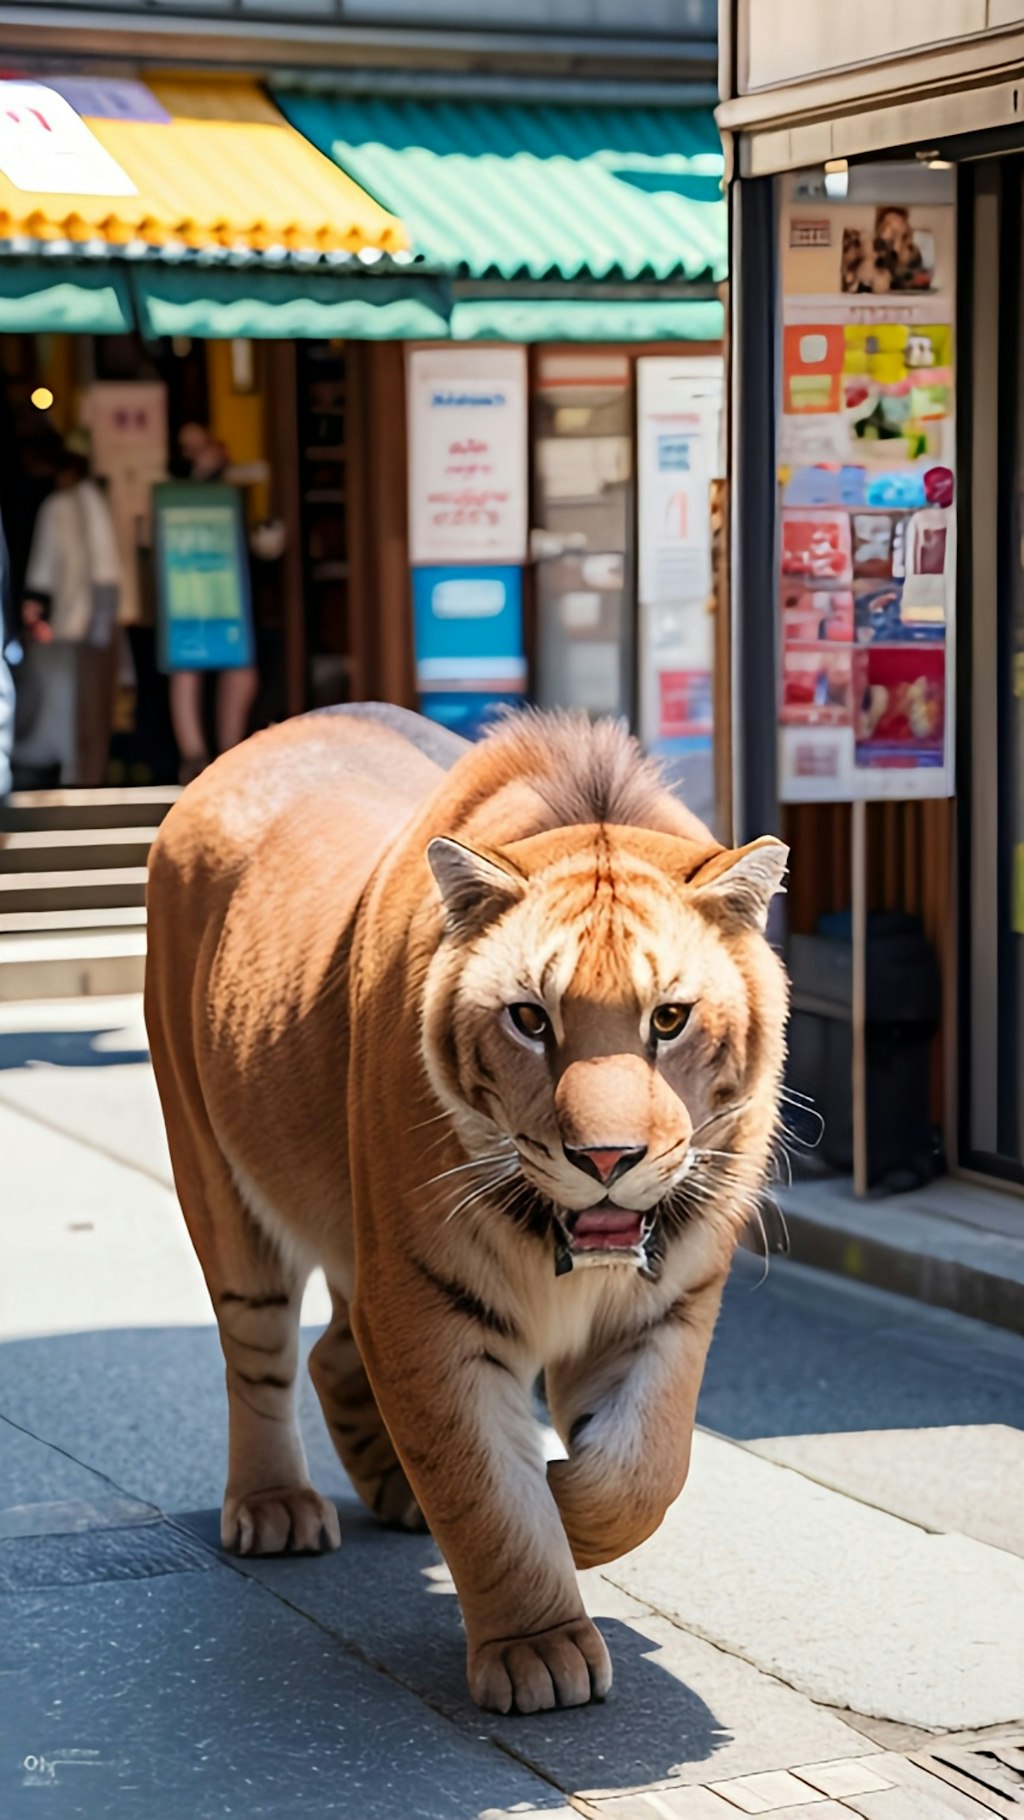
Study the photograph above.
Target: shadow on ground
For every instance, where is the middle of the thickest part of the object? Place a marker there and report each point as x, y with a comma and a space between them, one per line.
389, 1598
67, 1049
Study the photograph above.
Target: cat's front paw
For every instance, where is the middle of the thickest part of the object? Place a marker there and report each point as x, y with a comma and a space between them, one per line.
281, 1520
566, 1666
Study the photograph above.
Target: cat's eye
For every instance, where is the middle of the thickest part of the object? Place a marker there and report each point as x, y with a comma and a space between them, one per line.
669, 1021
530, 1021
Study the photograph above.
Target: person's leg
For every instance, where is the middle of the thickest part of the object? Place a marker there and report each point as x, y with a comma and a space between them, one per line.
236, 692
186, 698
96, 687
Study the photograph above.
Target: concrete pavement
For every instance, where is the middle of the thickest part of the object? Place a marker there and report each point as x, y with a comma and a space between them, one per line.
838, 1591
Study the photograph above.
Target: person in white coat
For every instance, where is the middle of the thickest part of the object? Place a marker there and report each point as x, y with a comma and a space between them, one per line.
69, 612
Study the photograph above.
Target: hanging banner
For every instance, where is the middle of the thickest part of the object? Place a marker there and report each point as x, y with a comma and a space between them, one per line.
679, 420
46, 148
867, 533
467, 455
204, 610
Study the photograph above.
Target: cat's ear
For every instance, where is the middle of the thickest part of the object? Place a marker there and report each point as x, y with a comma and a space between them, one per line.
475, 889
736, 887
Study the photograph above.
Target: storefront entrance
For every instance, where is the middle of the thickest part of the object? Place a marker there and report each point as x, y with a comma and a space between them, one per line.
992, 685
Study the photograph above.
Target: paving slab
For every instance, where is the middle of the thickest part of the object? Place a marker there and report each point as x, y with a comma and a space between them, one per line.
803, 1353
849, 1605
146, 1408
680, 1710
196, 1694
87, 1243
969, 1480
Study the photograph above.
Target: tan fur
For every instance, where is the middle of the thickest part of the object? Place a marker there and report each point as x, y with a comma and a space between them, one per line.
343, 1086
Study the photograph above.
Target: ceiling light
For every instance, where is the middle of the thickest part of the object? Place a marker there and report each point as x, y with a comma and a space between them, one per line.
42, 398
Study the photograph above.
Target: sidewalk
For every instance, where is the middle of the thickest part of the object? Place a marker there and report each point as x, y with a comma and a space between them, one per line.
954, 1244
837, 1596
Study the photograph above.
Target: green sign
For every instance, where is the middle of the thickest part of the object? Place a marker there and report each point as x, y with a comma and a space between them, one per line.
204, 607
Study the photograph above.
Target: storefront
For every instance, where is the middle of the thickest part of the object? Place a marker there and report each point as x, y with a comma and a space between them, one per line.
876, 475
277, 266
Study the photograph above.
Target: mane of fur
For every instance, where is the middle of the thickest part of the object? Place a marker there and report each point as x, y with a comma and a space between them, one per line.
584, 771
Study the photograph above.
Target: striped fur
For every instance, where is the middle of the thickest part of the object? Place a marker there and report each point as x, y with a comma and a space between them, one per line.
341, 912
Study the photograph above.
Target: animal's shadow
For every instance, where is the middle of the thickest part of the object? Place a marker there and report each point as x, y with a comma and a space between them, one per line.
390, 1598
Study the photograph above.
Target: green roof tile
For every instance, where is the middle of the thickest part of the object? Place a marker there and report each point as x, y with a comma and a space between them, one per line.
534, 191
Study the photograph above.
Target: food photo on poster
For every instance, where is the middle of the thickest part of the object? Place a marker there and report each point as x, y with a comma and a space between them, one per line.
866, 563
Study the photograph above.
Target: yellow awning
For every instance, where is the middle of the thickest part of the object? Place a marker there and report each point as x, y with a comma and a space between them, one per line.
226, 171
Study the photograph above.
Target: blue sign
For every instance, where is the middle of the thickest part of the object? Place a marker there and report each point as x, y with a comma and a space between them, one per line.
469, 644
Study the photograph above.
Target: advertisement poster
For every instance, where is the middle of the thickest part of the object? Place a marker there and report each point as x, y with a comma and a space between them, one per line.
679, 409
866, 544
204, 611
469, 644
467, 455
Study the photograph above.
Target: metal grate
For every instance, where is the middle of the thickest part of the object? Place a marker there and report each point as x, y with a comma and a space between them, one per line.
993, 1771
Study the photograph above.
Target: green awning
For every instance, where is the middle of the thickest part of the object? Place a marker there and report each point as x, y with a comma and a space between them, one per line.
509, 190
42, 298
211, 303
585, 319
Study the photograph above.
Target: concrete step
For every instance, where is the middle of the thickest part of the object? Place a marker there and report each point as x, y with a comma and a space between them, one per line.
129, 808
34, 922
71, 849
112, 887
60, 965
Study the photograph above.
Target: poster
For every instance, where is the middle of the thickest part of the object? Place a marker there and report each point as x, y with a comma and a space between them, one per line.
679, 409
47, 149
468, 625
867, 534
467, 455
127, 425
204, 610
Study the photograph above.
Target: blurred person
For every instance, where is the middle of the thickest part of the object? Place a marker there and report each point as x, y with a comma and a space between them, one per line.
69, 614
202, 457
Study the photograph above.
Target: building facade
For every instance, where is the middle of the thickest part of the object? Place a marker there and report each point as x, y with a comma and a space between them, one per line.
875, 158
312, 230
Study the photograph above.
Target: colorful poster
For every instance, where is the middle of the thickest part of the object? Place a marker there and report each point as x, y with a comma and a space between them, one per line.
204, 611
867, 532
467, 455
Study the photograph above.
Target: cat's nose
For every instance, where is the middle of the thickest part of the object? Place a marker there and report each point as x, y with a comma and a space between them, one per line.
606, 1163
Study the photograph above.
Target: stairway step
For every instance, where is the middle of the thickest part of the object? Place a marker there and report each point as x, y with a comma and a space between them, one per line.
107, 808
67, 849
59, 965
35, 922
111, 887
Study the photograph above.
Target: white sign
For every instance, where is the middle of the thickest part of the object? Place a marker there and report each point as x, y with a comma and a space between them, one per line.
679, 413
467, 455
679, 406
46, 148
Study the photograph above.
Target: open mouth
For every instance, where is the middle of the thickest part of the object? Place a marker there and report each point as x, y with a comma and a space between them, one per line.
609, 1235
605, 1229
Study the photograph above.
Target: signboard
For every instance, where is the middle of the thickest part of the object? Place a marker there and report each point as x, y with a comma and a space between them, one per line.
679, 415
467, 455
46, 148
127, 425
469, 644
204, 611
867, 532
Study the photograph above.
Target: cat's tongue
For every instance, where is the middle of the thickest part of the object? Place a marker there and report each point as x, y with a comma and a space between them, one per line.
607, 1229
